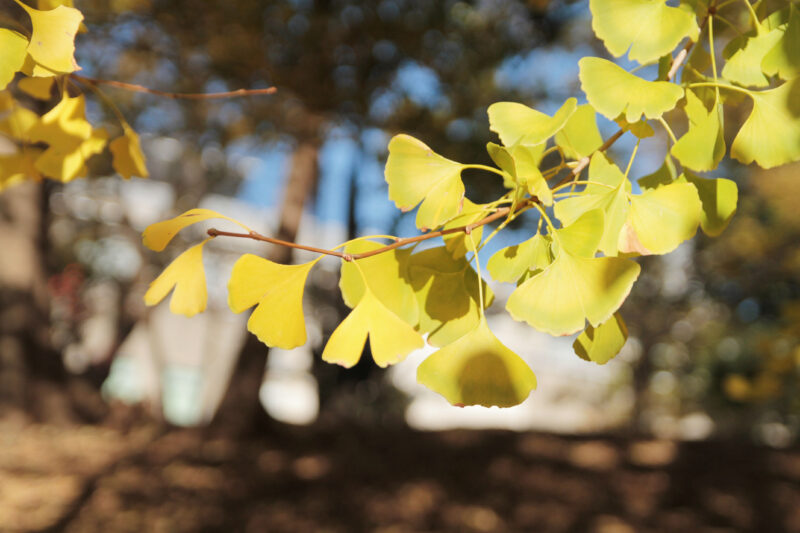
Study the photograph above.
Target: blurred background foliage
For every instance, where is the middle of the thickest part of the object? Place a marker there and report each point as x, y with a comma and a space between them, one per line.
714, 326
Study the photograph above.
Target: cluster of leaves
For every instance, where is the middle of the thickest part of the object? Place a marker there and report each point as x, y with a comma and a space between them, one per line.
45, 125
575, 272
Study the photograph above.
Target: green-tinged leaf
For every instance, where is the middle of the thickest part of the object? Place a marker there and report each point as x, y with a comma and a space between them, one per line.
52, 43
390, 339
387, 276
519, 124
13, 45
665, 175
611, 198
415, 174
744, 66
660, 219
39, 88
521, 164
719, 197
602, 343
511, 263
458, 244
613, 91
128, 159
641, 129
478, 369
502, 158
783, 59
582, 237
580, 137
571, 290
157, 236
186, 275
649, 28
447, 292
703, 146
771, 134
66, 160
277, 290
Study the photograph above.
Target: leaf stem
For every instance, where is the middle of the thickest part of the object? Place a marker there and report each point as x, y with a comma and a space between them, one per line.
480, 275
633, 156
713, 57
753, 16
667, 129
721, 86
185, 96
486, 168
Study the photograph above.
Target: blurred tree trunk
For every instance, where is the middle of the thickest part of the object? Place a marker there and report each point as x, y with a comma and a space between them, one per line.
240, 410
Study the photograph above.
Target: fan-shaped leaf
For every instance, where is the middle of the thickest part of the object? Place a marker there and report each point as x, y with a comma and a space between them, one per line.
415, 174
650, 29
13, 45
390, 339
703, 146
186, 275
157, 236
277, 290
744, 65
512, 262
719, 197
613, 91
519, 124
783, 59
52, 43
580, 137
602, 343
478, 369
128, 158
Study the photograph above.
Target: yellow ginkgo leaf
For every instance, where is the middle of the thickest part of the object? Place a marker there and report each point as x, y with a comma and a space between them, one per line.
278, 291
128, 159
52, 43
39, 88
13, 47
390, 338
187, 276
18, 167
157, 236
65, 122
66, 160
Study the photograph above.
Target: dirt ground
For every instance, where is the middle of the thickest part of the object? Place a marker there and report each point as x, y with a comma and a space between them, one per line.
147, 477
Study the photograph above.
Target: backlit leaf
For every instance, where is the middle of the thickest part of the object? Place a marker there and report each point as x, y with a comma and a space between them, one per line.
390, 338
64, 123
128, 159
573, 288
65, 159
458, 244
521, 163
478, 369
447, 293
277, 290
511, 263
771, 134
387, 276
157, 236
415, 174
519, 124
719, 197
649, 28
661, 219
52, 43
13, 45
783, 59
703, 146
186, 275
744, 66
613, 91
602, 343
580, 137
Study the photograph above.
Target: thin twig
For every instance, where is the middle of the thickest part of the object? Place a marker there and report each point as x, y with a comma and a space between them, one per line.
184, 96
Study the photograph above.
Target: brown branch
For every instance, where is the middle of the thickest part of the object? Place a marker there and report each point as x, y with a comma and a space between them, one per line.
500, 213
185, 96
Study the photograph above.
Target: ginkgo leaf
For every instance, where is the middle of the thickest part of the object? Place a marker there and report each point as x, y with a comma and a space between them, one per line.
521, 163
458, 244
771, 134
277, 290
612, 91
661, 219
519, 124
447, 292
64, 123
387, 276
19, 166
186, 275
718, 197
602, 343
610, 195
783, 59
52, 43
649, 28
744, 65
39, 88
415, 174
390, 338
703, 146
18, 123
574, 288
665, 174
66, 159
640, 128
157, 236
128, 159
13, 45
580, 137
478, 369
511, 263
